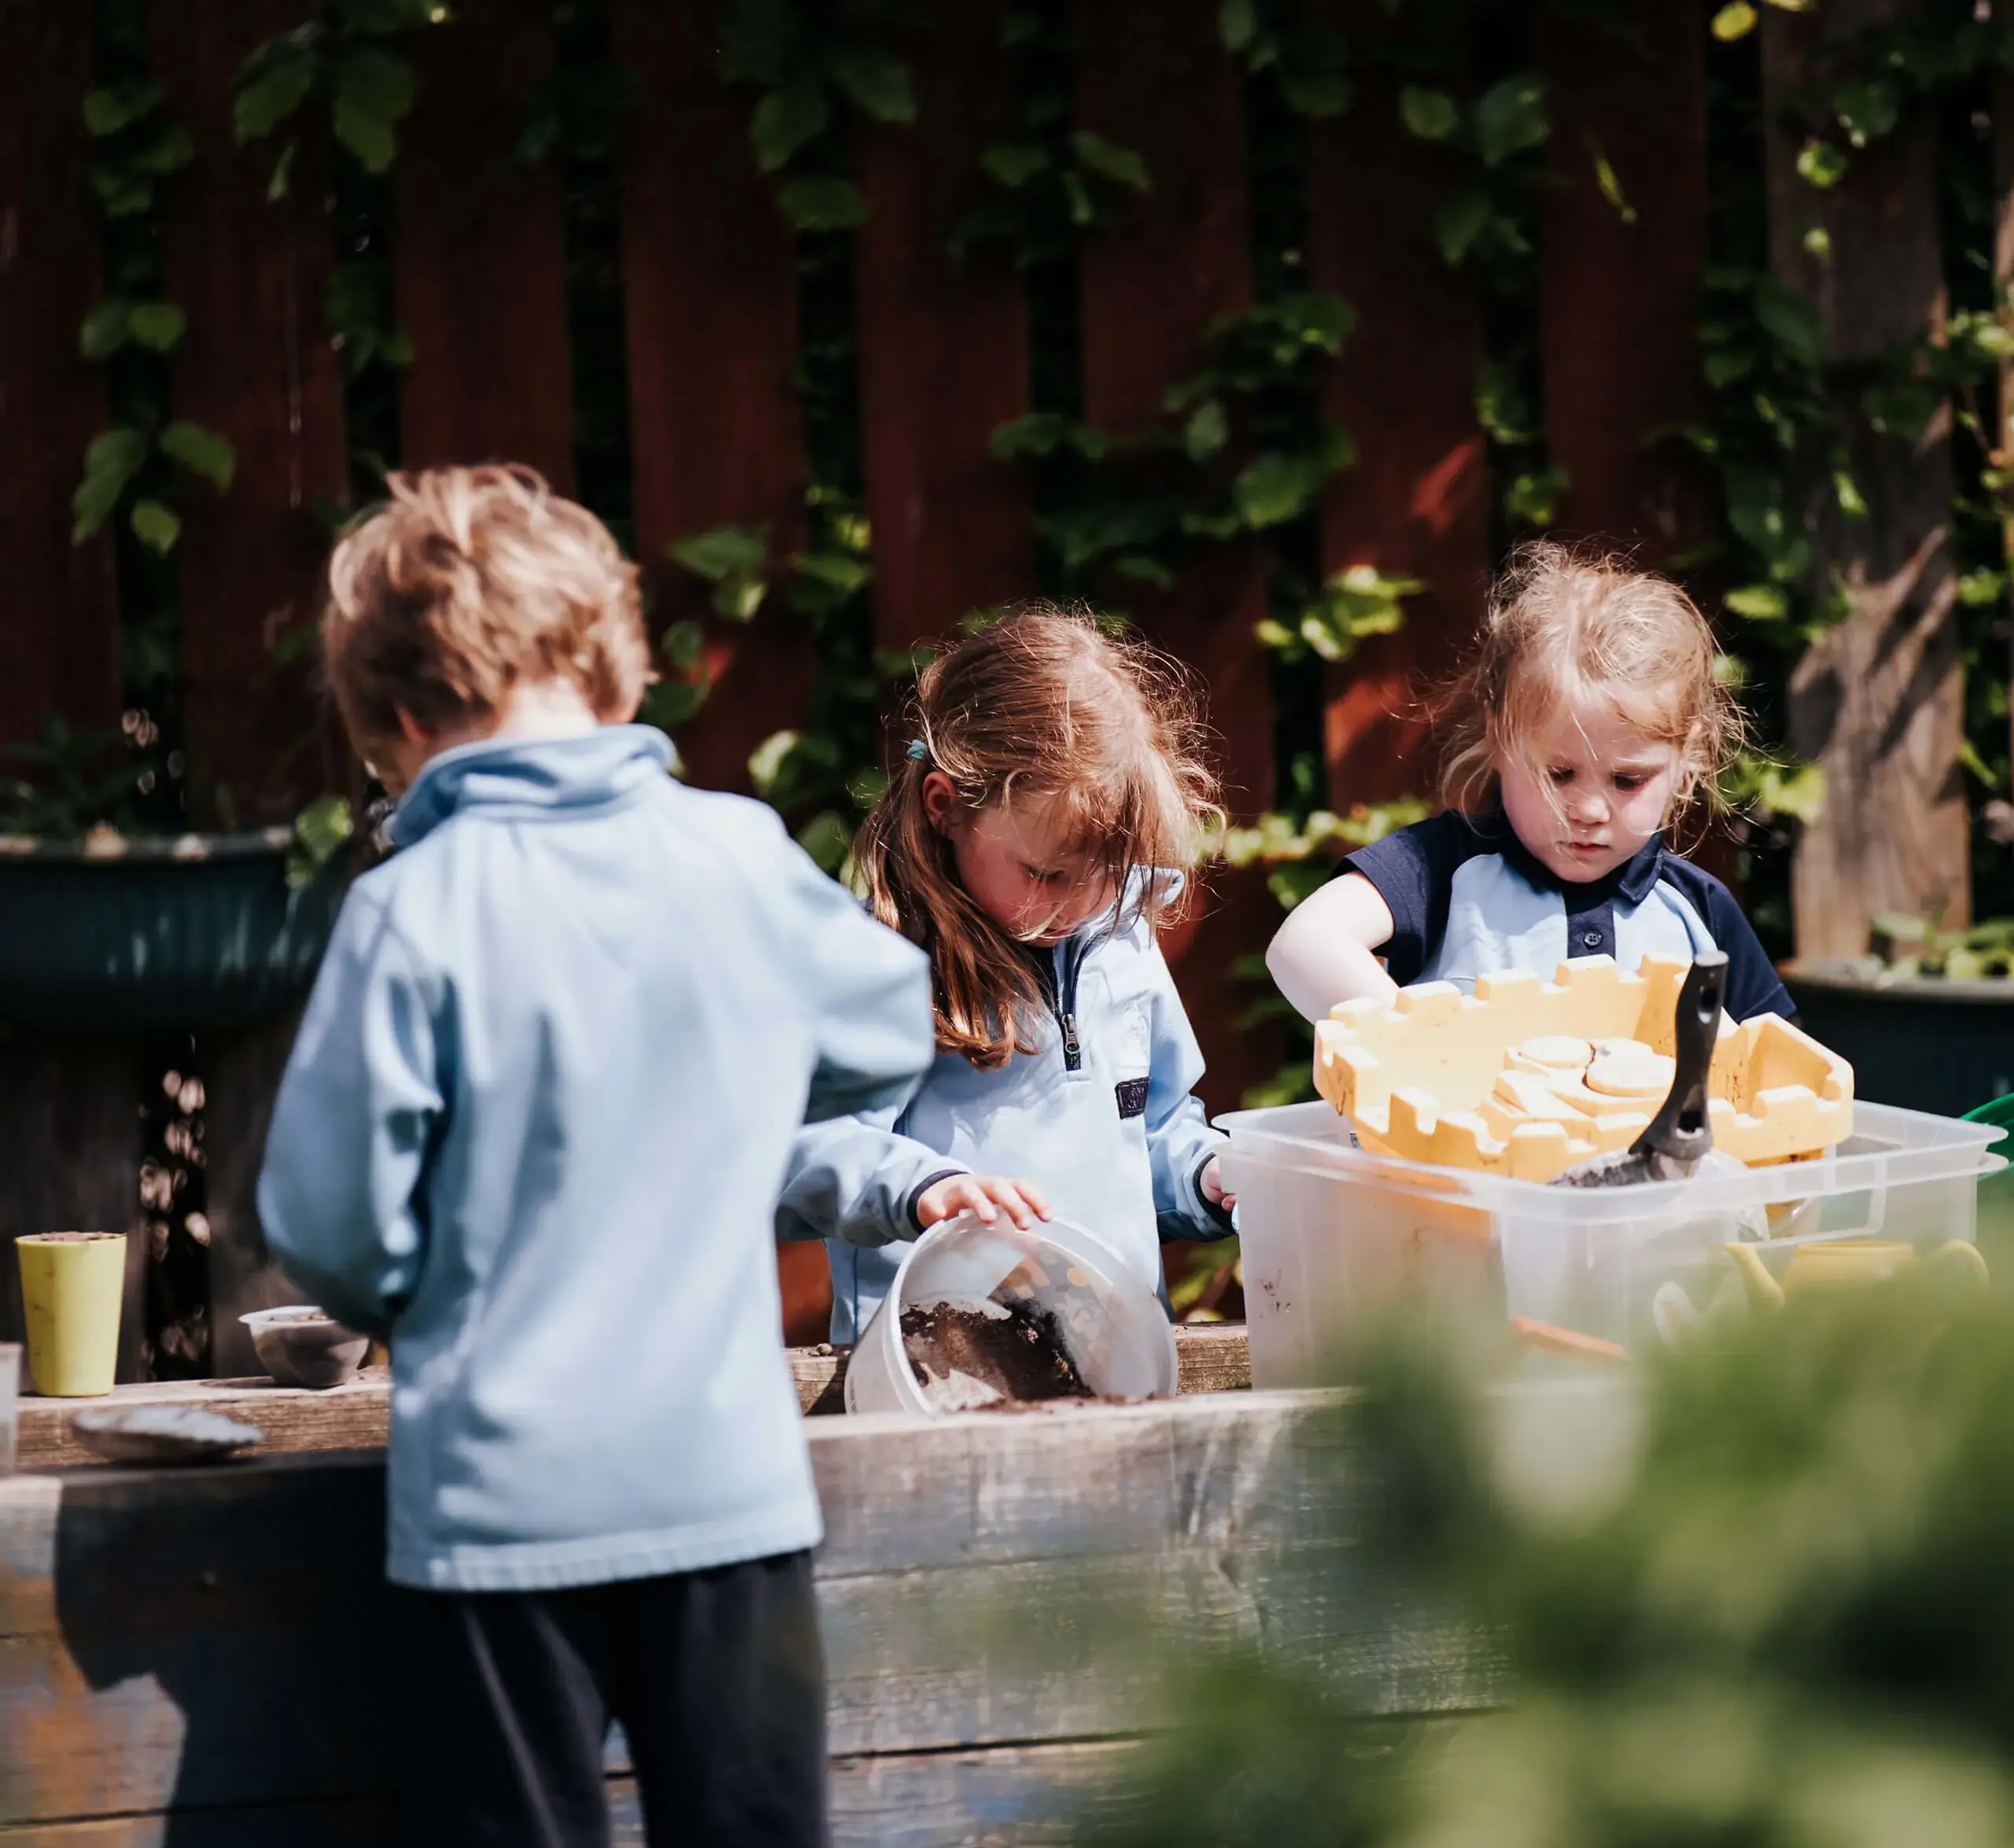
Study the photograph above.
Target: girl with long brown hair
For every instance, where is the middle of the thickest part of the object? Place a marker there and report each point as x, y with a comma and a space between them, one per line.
1033, 839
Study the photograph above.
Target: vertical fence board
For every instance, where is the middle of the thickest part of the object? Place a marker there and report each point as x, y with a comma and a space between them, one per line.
479, 252
1416, 504
1151, 286
944, 347
1878, 700
709, 280
1617, 298
59, 642
256, 365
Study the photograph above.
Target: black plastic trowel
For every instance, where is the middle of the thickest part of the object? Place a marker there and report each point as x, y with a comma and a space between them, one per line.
1680, 1135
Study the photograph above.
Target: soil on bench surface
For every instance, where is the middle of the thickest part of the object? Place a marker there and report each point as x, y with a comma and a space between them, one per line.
969, 1356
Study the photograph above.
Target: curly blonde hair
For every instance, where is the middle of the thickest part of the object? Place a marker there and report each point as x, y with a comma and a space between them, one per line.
466, 583
1564, 626
1042, 705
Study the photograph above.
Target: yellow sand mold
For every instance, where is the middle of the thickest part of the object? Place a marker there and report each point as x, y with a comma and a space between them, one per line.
1526, 1077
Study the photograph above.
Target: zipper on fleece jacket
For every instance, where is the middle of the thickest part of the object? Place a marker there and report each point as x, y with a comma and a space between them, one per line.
1059, 984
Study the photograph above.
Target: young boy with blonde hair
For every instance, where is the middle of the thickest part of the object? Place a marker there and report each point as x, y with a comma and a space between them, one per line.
533, 1130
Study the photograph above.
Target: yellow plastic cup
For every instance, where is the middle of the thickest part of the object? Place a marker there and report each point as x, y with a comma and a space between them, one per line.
73, 1285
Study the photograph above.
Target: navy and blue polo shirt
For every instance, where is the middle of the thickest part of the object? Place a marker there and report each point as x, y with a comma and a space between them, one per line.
1468, 898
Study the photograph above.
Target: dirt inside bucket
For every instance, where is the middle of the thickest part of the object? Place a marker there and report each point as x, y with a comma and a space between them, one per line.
967, 1356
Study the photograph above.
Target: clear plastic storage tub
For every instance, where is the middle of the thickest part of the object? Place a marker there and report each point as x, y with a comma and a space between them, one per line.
1329, 1230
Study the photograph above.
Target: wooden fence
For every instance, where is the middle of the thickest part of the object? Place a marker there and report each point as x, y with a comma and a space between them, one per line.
711, 301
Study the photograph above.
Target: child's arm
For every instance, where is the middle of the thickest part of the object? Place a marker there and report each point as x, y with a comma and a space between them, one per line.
351, 1129
1182, 1148
1321, 955
869, 993
859, 1179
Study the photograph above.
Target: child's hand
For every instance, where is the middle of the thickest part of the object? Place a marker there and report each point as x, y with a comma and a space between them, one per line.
987, 1195
1213, 1187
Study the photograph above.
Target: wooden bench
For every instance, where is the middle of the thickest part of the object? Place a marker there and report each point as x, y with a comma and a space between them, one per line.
204, 1658
1213, 1359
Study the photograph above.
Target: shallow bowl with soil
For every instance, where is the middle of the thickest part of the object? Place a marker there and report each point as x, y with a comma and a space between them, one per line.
300, 1346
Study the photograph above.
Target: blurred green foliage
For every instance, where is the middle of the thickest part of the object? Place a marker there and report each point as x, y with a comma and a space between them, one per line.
1781, 1618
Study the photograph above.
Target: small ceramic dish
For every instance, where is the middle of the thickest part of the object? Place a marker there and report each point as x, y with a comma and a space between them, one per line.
165, 1434
300, 1346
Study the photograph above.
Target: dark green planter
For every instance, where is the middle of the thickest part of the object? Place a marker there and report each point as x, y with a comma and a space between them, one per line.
198, 932
1919, 1042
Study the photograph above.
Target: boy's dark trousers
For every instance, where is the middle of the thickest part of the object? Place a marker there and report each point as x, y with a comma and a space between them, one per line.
717, 1676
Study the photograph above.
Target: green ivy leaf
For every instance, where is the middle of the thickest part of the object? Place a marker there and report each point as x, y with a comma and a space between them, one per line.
372, 139
1845, 491
201, 452
1510, 117
1735, 21
1321, 95
1461, 219
1430, 114
1534, 496
1611, 183
265, 100
1902, 409
282, 175
820, 204
120, 105
113, 458
1978, 588
156, 526
784, 121
158, 325
1724, 365
1867, 110
1791, 320
1820, 164
169, 151
1759, 602
682, 644
769, 761
1013, 164
875, 81
757, 39
1120, 165
319, 830
837, 571
105, 328
1275, 487
1207, 431
725, 552
1237, 24
828, 839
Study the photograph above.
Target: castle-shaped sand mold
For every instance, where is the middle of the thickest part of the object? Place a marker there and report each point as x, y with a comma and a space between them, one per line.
1526, 1077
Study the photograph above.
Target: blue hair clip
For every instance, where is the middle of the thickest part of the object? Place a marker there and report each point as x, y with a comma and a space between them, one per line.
918, 752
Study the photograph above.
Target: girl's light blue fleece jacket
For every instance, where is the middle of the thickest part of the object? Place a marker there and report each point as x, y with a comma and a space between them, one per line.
534, 1126
1100, 1115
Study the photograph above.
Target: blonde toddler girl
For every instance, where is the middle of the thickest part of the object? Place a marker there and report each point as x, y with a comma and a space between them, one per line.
1590, 718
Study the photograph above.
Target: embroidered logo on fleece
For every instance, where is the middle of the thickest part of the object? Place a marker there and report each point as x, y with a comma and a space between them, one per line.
1132, 1095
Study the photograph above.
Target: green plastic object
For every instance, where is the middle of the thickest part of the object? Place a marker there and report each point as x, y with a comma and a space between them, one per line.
1996, 1220
197, 933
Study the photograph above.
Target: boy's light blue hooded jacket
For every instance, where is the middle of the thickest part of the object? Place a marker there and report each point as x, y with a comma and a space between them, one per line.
534, 1126
1100, 1116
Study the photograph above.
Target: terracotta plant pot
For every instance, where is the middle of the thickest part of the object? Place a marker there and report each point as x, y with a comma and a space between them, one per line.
72, 1285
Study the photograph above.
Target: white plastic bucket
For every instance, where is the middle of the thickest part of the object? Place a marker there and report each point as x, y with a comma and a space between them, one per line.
1111, 1325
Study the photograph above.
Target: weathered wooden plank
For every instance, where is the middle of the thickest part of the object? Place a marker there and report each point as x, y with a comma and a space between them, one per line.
190, 1638
1416, 504
70, 1154
256, 365
1617, 287
59, 640
1878, 702
709, 283
479, 256
1212, 1358
1151, 286
944, 347
1011, 1797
